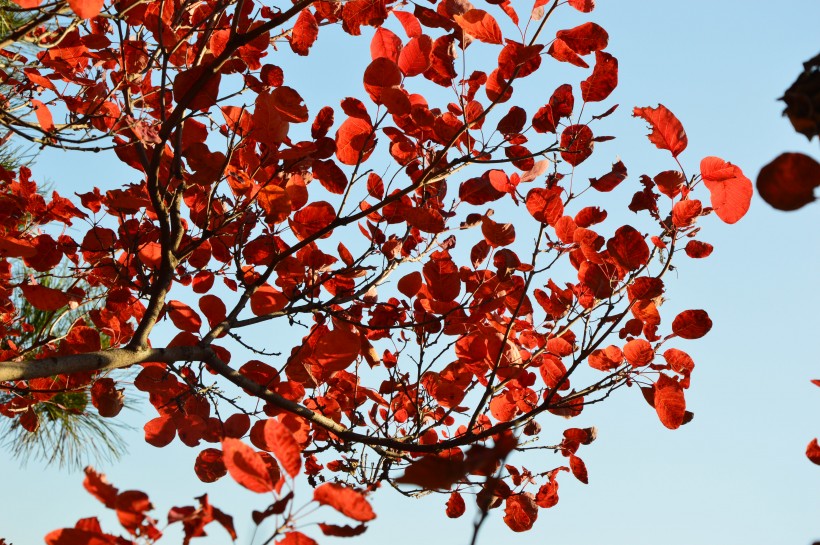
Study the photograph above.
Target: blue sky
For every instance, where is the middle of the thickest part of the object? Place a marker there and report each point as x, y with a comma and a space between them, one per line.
737, 473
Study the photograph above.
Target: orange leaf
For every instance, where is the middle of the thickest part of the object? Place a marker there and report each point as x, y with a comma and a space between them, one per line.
667, 132
669, 402
638, 352
480, 25
86, 9
348, 501
731, 191
246, 466
43, 115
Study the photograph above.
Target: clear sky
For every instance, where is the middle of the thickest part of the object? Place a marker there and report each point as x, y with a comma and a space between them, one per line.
735, 475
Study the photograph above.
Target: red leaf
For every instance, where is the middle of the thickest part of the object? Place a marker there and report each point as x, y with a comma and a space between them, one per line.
410, 284
354, 141
160, 431
280, 441
576, 141
296, 538
603, 80
342, 531
44, 298
75, 536
628, 248
246, 466
691, 324
409, 22
606, 359
497, 234
199, 85
582, 5
638, 352
183, 316
275, 202
579, 469
385, 44
684, 213
98, 486
304, 33
680, 361
415, 58
813, 452
667, 132
43, 115
545, 205
213, 308
106, 397
697, 250
311, 219
611, 179
560, 51
669, 182
669, 402
348, 501
520, 511
210, 466
480, 25
455, 505
788, 182
86, 9
267, 299
585, 38
730, 190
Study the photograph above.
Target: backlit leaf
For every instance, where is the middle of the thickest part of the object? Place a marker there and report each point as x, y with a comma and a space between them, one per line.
667, 132
730, 190
480, 25
691, 324
346, 500
246, 466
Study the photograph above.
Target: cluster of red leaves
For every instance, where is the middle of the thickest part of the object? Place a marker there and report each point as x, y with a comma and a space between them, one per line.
131, 508
256, 212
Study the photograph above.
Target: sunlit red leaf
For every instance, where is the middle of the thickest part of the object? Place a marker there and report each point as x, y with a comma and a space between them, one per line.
455, 505
560, 51
106, 397
75, 536
667, 132
582, 5
160, 431
348, 501
730, 190
354, 141
697, 249
210, 466
280, 441
669, 402
603, 80
43, 115
198, 87
497, 234
246, 466
520, 511
410, 284
691, 324
680, 361
629, 248
611, 179
296, 538
311, 219
579, 469
86, 9
98, 486
638, 352
304, 32
480, 25
43, 297
788, 182
385, 44
585, 38
183, 316
576, 141
267, 299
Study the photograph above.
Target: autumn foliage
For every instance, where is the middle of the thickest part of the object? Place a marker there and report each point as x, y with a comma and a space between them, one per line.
338, 267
